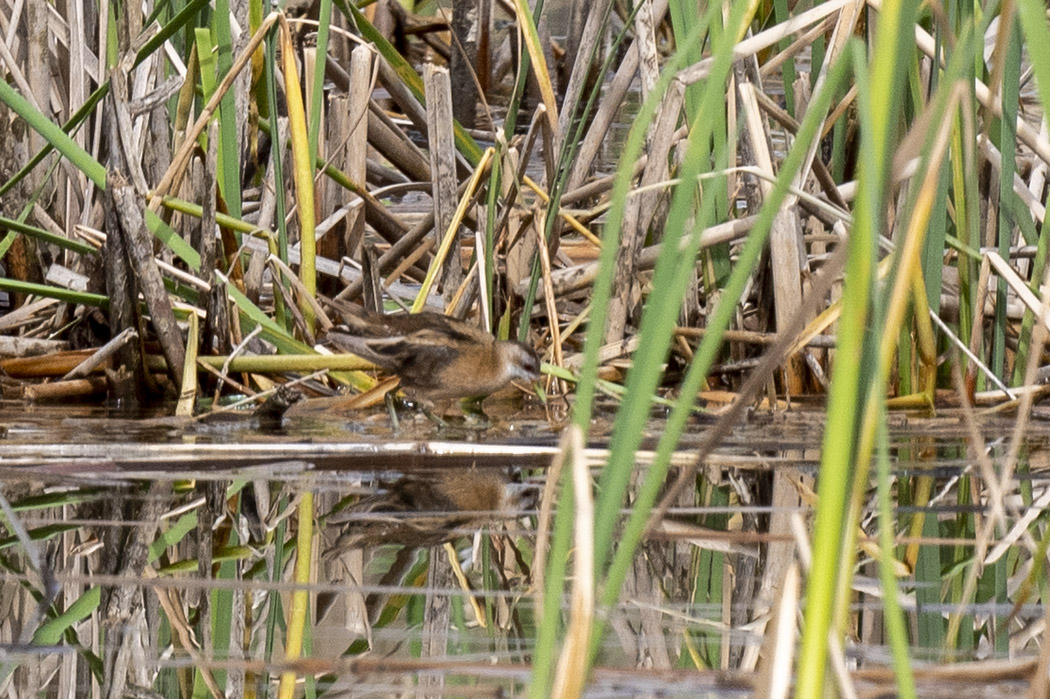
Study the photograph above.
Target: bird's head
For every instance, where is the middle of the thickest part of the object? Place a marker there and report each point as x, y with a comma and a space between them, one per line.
520, 361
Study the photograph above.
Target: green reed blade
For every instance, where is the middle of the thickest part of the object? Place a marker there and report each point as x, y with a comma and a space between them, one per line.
880, 88
54, 135
229, 151
46, 236
317, 86
1009, 89
54, 292
705, 355
896, 629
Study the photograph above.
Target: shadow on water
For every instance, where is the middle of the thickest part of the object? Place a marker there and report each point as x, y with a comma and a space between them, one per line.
423, 559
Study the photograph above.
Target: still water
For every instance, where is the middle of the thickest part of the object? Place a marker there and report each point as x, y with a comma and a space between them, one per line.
181, 520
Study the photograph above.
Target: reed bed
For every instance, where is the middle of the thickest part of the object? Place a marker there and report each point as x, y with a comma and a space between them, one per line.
839, 200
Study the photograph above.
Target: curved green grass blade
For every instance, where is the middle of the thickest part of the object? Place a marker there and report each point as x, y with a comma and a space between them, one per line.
46, 236
54, 292
54, 135
50, 632
880, 88
229, 152
69, 127
173, 241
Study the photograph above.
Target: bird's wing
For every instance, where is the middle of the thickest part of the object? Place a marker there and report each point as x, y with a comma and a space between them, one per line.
375, 350
461, 331
426, 337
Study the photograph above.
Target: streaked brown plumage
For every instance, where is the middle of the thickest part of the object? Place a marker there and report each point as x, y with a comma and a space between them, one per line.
436, 357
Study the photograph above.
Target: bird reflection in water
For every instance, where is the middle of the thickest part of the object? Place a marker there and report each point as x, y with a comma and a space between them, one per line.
429, 508
423, 509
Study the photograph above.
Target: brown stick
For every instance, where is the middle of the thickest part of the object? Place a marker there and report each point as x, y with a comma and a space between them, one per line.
442, 167
139, 249
60, 390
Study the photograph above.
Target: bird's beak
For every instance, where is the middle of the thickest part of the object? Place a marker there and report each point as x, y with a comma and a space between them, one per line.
537, 386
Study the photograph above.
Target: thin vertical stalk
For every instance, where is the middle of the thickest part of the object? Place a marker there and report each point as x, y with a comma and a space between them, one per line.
674, 269
281, 314
896, 629
324, 22
879, 101
704, 356
229, 154
1009, 54
302, 171
300, 596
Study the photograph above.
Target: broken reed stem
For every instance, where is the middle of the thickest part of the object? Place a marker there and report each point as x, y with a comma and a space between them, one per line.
66, 390
549, 299
180, 160
102, 354
442, 168
453, 228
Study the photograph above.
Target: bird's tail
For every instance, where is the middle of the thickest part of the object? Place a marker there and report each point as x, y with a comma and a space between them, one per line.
354, 319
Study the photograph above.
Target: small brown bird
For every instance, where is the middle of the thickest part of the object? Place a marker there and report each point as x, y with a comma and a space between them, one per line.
436, 357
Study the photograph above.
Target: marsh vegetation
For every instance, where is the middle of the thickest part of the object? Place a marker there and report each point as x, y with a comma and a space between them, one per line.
719, 225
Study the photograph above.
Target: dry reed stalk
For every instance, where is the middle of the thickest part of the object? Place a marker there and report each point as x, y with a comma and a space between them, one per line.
362, 79
569, 218
437, 617
29, 347
102, 354
787, 249
394, 255
582, 276
571, 676
52, 365
387, 138
409, 261
624, 307
138, 246
450, 236
442, 169
614, 94
302, 295
26, 314
820, 170
552, 311
180, 159
66, 390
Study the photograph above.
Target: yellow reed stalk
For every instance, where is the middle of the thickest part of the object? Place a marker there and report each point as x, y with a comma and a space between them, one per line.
453, 229
302, 172
293, 647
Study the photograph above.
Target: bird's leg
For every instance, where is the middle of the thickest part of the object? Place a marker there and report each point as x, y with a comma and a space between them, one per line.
391, 408
425, 408
474, 414
434, 417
